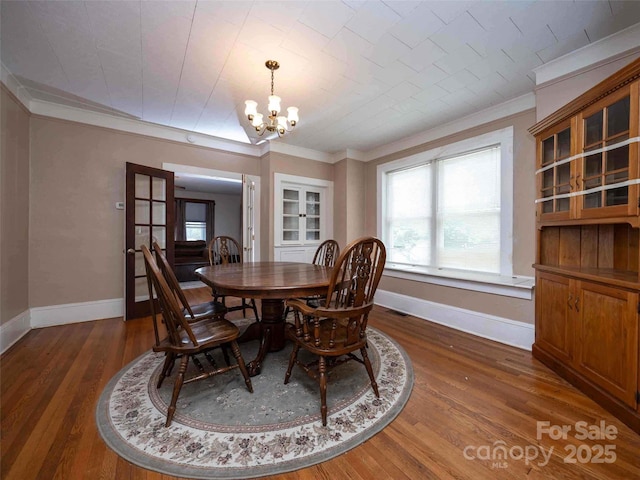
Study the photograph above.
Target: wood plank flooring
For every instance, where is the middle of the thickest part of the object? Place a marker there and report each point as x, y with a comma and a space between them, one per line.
470, 395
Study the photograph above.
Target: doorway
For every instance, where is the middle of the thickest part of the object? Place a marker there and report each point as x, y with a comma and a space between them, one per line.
234, 196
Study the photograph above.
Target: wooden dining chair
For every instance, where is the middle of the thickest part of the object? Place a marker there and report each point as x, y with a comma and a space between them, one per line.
184, 340
222, 251
193, 313
337, 328
326, 254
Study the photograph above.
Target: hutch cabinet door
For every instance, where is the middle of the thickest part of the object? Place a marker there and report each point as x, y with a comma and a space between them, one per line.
606, 176
608, 329
556, 174
554, 319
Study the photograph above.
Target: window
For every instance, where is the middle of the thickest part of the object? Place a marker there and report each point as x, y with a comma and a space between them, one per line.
196, 230
448, 211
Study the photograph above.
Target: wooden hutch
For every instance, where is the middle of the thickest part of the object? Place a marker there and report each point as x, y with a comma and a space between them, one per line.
587, 255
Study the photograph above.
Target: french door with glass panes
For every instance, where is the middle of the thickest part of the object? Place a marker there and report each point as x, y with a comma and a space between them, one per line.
149, 217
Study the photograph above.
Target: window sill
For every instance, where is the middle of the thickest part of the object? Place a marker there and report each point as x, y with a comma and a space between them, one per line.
517, 286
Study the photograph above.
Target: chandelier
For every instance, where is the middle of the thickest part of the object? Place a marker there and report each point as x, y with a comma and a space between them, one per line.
273, 123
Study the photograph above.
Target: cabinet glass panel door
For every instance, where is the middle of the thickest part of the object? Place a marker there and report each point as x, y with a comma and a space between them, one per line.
290, 215
556, 178
312, 216
607, 169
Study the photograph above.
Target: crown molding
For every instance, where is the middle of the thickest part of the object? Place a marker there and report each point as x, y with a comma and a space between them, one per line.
63, 112
294, 150
14, 86
621, 43
505, 109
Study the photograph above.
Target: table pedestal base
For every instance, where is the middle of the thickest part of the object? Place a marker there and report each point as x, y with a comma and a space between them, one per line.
270, 332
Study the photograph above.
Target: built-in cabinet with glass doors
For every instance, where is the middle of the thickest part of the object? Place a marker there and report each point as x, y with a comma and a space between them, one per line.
588, 243
302, 217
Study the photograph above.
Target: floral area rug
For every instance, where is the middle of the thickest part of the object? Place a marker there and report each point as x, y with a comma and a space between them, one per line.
221, 431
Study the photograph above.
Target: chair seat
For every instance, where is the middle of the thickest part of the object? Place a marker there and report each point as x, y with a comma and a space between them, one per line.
201, 311
208, 333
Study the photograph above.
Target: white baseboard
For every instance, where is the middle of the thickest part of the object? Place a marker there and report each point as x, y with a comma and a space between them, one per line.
14, 330
503, 330
76, 312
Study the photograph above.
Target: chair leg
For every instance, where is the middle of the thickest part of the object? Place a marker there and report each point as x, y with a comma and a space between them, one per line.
241, 365
322, 367
169, 360
292, 360
176, 389
255, 309
367, 364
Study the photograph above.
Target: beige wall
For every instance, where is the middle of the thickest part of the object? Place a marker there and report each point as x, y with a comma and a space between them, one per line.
14, 205
523, 224
77, 176
349, 198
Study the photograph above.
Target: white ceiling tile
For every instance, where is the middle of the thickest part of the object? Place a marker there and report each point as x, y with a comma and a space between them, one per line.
423, 55
428, 76
402, 91
568, 45
158, 104
26, 50
232, 11
457, 60
394, 74
372, 20
486, 66
346, 46
535, 40
326, 17
404, 8
71, 11
448, 11
628, 16
362, 70
282, 15
537, 14
458, 81
304, 41
499, 12
503, 35
488, 83
432, 92
261, 35
417, 27
387, 50
462, 30
575, 19
116, 26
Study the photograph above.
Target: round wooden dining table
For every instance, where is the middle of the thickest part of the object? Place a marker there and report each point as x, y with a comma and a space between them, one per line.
272, 283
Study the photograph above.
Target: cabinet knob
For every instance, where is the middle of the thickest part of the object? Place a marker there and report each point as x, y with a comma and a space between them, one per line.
569, 302
577, 304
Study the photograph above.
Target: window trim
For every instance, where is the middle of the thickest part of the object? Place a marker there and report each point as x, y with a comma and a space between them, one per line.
462, 278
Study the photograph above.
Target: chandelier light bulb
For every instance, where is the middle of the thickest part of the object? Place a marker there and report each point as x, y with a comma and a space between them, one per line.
274, 104
292, 115
257, 120
250, 108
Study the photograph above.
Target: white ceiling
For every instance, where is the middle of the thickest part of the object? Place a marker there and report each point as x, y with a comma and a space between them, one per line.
364, 73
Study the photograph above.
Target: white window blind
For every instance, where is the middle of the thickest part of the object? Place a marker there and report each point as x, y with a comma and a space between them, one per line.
449, 210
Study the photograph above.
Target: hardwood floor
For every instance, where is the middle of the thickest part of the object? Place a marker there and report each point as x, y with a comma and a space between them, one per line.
470, 395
